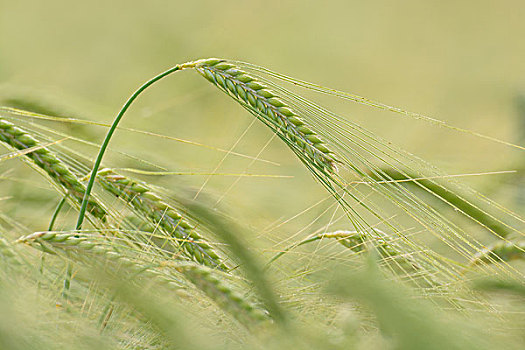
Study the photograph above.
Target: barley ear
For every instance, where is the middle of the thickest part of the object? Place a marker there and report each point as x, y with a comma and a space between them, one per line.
500, 251
92, 250
141, 197
46, 160
258, 98
215, 287
87, 250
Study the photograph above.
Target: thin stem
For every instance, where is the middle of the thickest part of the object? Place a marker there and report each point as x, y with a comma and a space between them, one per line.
67, 281
57, 211
104, 146
69, 269
98, 161
50, 228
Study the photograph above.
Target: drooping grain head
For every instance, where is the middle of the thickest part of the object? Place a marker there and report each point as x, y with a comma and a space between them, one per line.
374, 240
161, 214
358, 242
209, 281
49, 162
88, 250
254, 95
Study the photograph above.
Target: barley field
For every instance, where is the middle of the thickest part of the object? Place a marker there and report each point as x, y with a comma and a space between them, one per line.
262, 175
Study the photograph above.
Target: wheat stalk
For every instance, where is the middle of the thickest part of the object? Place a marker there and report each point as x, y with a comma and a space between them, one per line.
46, 160
161, 214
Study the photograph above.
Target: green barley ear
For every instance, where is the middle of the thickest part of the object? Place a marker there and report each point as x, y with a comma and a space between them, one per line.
89, 250
215, 286
141, 197
47, 161
264, 103
501, 285
352, 240
226, 230
462, 203
500, 251
322, 139
375, 240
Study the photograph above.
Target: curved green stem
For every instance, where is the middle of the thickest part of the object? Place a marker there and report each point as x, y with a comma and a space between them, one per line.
69, 271
112, 129
50, 228
57, 211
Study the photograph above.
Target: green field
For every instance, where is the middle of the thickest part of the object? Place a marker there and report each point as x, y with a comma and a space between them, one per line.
380, 207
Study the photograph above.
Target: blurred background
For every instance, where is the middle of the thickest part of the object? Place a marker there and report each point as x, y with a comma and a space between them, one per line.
460, 62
